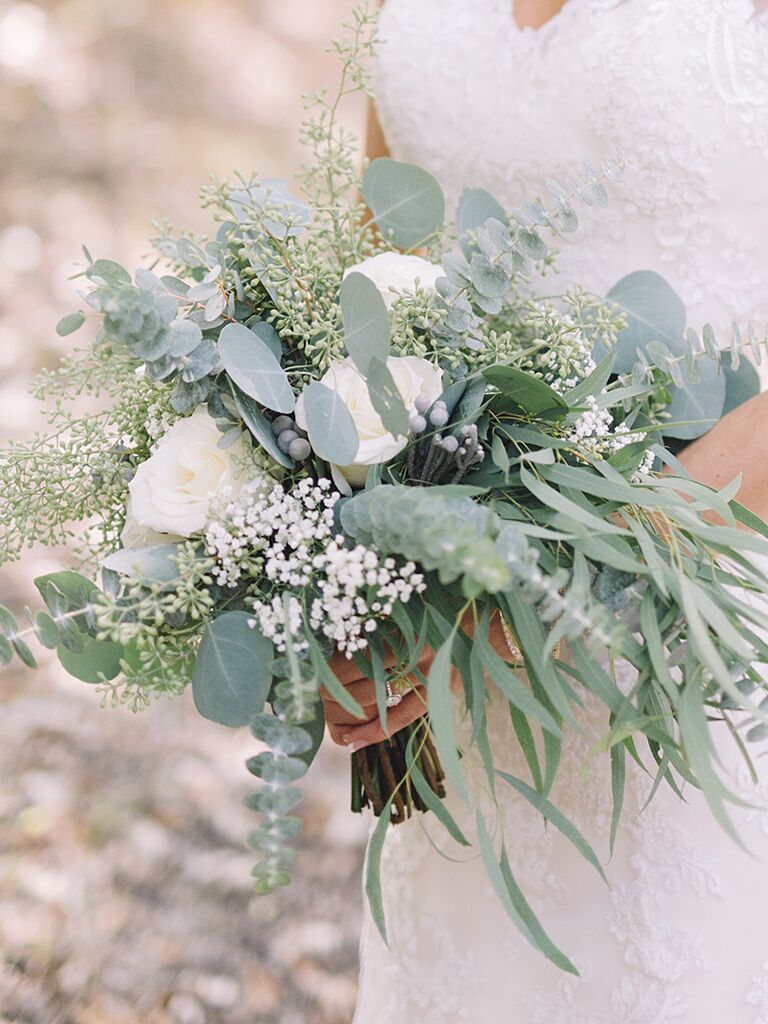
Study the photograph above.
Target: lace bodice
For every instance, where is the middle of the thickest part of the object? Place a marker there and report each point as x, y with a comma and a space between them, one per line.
681, 86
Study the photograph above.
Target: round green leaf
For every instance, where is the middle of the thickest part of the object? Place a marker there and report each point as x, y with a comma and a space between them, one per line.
476, 206
252, 366
282, 738
157, 563
740, 385
329, 423
698, 406
276, 770
269, 336
655, 313
70, 323
406, 201
46, 630
366, 321
6, 651
233, 671
98, 659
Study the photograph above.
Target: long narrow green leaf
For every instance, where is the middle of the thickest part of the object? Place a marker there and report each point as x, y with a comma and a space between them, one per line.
373, 870
553, 499
748, 518
525, 738
327, 679
513, 688
513, 901
441, 715
534, 642
618, 783
430, 798
556, 818
700, 753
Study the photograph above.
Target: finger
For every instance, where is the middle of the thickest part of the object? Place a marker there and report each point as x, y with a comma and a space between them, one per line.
363, 691
412, 707
337, 731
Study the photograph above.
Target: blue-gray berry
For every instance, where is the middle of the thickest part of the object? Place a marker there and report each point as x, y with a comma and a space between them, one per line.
450, 444
422, 403
439, 416
282, 423
418, 424
299, 449
285, 440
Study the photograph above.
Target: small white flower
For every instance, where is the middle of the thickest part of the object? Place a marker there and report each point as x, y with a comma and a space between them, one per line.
394, 273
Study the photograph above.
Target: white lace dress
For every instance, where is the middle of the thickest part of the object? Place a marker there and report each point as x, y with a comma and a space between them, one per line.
681, 934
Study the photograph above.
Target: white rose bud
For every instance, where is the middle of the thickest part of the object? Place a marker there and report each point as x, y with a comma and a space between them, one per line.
412, 376
173, 490
394, 273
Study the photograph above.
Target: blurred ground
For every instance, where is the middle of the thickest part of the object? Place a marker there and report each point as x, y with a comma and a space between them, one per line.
124, 879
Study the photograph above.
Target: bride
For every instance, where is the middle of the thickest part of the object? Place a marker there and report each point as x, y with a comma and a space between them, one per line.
500, 95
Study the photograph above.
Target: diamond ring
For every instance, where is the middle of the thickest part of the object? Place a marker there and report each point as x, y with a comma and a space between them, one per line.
393, 699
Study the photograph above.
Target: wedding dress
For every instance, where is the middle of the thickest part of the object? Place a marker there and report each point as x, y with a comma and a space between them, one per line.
681, 934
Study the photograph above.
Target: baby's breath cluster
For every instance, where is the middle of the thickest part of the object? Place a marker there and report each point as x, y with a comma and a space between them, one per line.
287, 543
356, 586
594, 432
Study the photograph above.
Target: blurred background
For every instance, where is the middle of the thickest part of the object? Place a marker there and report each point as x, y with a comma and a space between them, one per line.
125, 893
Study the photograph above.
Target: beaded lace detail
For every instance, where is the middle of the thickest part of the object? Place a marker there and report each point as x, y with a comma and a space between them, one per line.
681, 86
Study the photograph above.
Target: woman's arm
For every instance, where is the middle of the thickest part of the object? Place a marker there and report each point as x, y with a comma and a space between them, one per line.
737, 445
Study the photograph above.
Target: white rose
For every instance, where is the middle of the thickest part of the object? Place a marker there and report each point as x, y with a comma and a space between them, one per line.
412, 377
172, 491
394, 273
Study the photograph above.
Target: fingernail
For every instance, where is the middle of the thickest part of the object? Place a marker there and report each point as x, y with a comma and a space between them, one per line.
356, 745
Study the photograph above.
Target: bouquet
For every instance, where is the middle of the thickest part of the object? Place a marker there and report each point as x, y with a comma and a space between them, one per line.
347, 423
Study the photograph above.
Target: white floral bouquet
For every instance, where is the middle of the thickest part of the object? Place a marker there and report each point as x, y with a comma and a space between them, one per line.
342, 425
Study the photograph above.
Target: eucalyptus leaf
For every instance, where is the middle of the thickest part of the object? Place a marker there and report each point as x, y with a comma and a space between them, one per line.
655, 313
233, 670
260, 428
329, 423
406, 201
366, 321
525, 390
158, 564
386, 398
476, 206
251, 364
740, 384
70, 323
698, 405
98, 660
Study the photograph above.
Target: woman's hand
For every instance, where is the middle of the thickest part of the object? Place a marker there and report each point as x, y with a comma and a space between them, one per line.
355, 733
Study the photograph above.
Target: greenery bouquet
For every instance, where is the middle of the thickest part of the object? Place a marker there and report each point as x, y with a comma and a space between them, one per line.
342, 424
